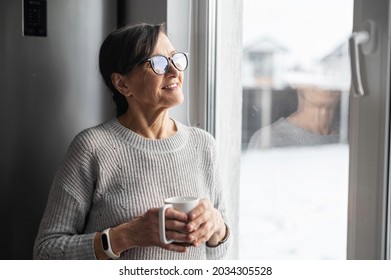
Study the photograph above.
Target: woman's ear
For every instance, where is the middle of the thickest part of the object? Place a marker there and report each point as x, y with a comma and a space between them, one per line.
120, 83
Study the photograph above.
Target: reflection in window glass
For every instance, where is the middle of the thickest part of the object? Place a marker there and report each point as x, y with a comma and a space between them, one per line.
294, 170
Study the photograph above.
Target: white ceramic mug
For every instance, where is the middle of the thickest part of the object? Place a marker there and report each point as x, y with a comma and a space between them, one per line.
181, 203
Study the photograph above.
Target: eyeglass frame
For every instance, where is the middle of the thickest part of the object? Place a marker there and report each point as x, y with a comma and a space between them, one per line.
169, 60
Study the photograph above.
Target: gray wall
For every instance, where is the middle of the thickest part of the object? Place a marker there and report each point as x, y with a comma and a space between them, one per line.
51, 90
142, 11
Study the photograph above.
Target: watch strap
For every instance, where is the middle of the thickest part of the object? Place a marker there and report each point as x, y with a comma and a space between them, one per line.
106, 244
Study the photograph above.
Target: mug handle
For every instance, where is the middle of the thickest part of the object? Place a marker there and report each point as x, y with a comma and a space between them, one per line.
162, 223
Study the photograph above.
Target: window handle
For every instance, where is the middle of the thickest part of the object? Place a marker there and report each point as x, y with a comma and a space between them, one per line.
367, 40
356, 39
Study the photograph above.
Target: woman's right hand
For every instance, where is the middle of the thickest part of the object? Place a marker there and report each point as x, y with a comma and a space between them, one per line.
143, 231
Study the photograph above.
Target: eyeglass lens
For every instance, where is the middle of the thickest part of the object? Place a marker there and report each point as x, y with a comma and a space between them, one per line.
180, 61
160, 64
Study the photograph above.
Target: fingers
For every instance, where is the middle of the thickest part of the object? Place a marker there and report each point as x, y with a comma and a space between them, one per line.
176, 225
173, 214
202, 206
193, 229
202, 234
200, 215
204, 223
176, 235
201, 225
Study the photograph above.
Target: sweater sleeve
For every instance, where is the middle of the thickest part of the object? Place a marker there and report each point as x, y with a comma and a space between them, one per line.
60, 235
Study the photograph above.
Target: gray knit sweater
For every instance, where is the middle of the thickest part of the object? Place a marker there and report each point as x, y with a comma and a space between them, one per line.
284, 134
110, 175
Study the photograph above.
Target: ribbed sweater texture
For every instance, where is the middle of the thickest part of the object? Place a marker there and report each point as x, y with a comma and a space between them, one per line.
284, 134
111, 175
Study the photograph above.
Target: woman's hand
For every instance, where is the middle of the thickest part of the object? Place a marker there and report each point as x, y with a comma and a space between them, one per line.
143, 231
205, 225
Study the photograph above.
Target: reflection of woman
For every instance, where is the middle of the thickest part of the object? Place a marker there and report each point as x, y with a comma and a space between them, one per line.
311, 124
117, 173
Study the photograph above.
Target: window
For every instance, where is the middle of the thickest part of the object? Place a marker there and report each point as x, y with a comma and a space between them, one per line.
309, 200
295, 153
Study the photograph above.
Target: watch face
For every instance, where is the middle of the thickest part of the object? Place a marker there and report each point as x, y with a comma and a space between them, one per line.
105, 242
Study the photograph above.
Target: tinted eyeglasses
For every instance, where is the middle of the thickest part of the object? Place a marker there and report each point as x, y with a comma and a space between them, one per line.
161, 64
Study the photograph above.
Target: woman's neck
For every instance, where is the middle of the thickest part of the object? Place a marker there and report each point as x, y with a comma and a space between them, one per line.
156, 125
315, 119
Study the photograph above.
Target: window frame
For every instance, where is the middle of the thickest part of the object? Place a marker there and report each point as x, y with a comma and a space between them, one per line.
369, 141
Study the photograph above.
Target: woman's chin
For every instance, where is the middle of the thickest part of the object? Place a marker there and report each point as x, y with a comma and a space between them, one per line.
177, 98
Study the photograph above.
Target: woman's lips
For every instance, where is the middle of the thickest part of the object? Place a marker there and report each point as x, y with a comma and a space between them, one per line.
170, 86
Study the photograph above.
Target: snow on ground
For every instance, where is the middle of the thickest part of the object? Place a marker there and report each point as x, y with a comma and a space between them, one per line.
293, 203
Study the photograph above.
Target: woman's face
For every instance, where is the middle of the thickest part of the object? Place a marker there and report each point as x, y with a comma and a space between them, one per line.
152, 91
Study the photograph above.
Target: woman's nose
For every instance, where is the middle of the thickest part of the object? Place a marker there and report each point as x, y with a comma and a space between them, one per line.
171, 68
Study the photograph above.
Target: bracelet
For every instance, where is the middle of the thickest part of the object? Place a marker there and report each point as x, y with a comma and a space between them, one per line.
106, 244
227, 233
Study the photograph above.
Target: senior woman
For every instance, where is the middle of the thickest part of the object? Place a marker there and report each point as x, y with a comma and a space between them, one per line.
105, 196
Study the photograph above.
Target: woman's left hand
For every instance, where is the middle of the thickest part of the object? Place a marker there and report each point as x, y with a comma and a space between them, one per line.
205, 224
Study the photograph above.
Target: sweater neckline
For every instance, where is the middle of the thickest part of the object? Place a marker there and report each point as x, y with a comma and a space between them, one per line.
287, 126
172, 143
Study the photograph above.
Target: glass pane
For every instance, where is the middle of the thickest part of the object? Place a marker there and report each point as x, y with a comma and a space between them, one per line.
294, 169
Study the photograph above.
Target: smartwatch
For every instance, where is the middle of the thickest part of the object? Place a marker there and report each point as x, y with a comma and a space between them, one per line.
106, 245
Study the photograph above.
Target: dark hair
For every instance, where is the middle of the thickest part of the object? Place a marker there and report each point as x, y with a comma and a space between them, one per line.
122, 50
